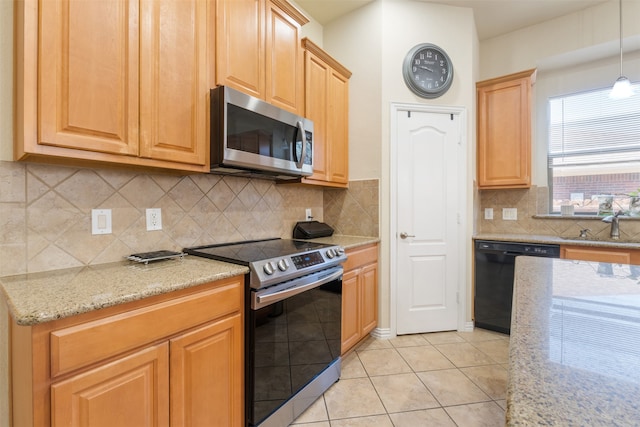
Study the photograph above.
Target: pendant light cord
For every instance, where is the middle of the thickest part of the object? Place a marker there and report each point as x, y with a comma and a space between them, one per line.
620, 11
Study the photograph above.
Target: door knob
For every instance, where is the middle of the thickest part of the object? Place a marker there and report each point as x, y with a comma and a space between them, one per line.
404, 235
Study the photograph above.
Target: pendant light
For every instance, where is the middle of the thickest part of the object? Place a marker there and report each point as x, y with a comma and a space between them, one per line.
622, 87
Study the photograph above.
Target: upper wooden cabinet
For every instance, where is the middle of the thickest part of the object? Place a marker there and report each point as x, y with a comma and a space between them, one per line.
258, 50
504, 131
120, 82
327, 104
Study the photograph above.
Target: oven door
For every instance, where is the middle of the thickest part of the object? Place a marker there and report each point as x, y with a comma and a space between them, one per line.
293, 347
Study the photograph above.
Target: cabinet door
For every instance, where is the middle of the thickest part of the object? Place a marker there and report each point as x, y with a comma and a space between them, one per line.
504, 132
316, 80
174, 85
350, 310
327, 104
207, 375
338, 122
132, 391
88, 75
369, 298
284, 60
240, 58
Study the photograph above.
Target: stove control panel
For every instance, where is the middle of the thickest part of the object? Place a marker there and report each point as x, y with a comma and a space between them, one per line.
279, 269
307, 260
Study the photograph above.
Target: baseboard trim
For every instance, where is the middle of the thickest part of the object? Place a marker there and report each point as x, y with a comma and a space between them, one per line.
382, 333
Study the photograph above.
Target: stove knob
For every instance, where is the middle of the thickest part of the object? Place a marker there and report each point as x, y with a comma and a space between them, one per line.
269, 268
339, 251
283, 264
331, 253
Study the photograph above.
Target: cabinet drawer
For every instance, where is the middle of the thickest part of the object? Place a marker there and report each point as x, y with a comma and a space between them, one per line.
597, 255
90, 342
361, 256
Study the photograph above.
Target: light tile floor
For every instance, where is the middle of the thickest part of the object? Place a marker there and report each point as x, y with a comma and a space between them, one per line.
438, 379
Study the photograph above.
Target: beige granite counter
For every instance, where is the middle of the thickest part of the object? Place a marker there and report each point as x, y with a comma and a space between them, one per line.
41, 297
556, 240
347, 242
575, 344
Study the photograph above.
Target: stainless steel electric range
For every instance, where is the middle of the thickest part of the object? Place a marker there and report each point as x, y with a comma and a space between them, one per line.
293, 323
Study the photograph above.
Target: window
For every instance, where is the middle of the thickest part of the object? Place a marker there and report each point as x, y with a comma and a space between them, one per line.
594, 151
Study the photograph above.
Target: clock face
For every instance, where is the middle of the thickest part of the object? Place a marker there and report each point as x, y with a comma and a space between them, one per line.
427, 70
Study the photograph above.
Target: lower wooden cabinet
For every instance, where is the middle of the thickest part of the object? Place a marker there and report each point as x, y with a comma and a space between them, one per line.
205, 388
359, 295
175, 359
596, 254
131, 391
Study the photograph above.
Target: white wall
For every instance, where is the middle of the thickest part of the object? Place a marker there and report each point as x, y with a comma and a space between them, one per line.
312, 29
575, 52
372, 42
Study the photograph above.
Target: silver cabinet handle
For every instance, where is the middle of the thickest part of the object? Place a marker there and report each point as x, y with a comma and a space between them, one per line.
404, 235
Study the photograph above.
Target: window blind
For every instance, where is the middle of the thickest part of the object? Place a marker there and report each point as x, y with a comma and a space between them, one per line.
589, 128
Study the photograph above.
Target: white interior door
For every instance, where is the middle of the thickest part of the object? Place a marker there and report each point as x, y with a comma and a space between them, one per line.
429, 169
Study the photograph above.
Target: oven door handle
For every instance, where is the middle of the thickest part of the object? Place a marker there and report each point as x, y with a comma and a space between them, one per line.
260, 301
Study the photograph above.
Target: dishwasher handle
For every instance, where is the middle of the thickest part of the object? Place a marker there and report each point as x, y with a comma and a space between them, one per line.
512, 253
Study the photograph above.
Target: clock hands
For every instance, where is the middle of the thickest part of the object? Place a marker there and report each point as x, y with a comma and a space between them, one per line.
426, 68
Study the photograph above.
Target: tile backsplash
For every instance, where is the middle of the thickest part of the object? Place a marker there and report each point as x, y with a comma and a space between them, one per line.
45, 212
354, 212
534, 201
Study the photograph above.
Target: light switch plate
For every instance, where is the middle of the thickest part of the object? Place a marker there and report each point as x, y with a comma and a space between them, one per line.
510, 214
488, 213
101, 221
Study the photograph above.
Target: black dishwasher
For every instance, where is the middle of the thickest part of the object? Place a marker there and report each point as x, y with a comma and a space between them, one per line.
494, 267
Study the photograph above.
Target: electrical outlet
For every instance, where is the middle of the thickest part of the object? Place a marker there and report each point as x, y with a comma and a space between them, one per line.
154, 219
510, 214
488, 213
101, 221
308, 216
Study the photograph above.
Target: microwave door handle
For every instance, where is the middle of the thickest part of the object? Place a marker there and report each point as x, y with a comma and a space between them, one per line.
301, 132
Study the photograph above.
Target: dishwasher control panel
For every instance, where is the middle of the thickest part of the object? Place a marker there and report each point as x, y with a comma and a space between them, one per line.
513, 248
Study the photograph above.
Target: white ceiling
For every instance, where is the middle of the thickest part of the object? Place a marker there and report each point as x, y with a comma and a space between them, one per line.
493, 17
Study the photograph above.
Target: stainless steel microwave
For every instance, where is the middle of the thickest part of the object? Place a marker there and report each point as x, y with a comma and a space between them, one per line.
250, 137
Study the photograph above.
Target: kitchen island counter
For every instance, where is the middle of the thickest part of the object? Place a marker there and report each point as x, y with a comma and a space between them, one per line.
574, 357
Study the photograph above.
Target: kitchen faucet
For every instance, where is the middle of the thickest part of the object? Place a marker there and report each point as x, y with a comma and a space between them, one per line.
615, 227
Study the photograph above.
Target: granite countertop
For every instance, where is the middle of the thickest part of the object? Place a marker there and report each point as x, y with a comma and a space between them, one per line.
557, 240
575, 344
41, 297
347, 242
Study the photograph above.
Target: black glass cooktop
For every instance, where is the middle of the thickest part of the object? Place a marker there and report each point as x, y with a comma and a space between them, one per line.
253, 251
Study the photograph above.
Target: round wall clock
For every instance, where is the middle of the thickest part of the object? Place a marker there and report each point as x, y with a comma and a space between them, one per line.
427, 70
